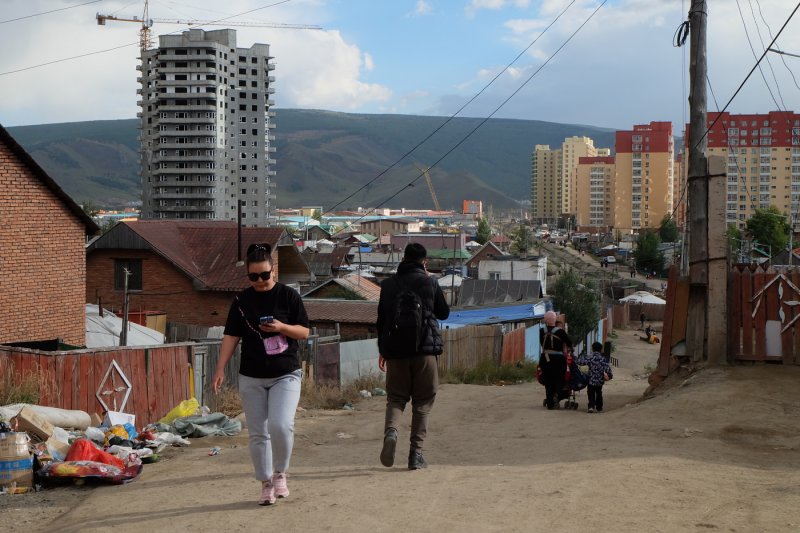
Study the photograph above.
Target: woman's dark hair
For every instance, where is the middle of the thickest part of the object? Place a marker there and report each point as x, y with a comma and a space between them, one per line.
258, 253
597, 347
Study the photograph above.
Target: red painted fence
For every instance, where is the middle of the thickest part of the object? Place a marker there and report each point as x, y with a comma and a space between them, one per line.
158, 376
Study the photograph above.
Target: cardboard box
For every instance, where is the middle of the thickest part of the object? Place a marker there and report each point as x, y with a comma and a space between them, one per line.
16, 463
34, 425
56, 447
113, 418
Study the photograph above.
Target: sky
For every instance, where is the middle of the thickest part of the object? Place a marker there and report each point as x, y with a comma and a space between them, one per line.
420, 57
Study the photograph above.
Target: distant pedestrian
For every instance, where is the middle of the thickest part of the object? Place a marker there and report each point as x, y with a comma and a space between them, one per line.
409, 357
599, 373
269, 318
553, 342
633, 271
642, 318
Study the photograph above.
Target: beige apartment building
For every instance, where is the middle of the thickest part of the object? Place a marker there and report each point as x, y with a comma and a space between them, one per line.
632, 190
554, 190
763, 155
596, 179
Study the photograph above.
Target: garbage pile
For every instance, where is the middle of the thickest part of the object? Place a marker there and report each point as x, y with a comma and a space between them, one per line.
44, 446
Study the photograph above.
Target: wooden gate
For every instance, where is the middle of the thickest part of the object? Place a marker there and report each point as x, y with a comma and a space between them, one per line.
764, 314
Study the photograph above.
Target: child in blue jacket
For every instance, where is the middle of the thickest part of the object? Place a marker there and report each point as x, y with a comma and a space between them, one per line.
599, 373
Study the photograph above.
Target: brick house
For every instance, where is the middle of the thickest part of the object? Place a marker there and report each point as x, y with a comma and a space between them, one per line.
488, 251
43, 237
185, 268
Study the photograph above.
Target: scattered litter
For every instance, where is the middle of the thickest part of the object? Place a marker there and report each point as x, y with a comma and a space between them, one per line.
348, 406
342, 435
377, 391
214, 451
365, 394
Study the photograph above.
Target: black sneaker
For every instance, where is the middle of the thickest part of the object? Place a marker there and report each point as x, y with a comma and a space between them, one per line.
389, 444
416, 461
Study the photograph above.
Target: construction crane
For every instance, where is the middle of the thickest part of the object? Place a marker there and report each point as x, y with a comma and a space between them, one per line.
427, 175
145, 37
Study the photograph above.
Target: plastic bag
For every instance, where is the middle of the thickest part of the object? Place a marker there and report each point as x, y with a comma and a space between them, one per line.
95, 434
84, 450
185, 408
171, 438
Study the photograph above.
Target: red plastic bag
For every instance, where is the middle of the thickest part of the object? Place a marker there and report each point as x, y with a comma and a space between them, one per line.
84, 450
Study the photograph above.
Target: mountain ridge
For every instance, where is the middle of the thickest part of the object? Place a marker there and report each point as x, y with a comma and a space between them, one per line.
324, 157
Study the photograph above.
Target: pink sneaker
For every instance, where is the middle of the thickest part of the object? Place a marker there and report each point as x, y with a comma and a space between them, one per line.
267, 493
279, 483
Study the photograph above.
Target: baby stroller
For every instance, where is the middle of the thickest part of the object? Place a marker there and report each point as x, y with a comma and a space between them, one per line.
574, 381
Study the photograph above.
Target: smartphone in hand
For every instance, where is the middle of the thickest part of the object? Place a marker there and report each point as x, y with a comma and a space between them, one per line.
265, 320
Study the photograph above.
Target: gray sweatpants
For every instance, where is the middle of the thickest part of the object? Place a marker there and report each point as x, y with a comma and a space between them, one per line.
270, 405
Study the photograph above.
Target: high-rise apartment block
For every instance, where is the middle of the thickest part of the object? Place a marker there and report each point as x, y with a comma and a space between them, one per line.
206, 129
632, 190
645, 159
553, 178
763, 155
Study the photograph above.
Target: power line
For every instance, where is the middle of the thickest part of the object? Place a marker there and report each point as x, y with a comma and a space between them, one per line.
779, 53
136, 43
753, 51
503, 103
741, 85
51, 11
451, 117
769, 63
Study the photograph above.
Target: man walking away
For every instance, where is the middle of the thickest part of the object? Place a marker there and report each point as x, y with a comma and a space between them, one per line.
408, 343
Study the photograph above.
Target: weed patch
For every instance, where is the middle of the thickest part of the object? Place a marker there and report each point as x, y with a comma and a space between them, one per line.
488, 373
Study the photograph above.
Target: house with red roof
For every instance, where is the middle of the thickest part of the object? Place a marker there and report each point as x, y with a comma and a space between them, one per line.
189, 269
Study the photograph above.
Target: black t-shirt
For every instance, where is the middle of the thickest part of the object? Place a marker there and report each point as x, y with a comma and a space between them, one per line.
284, 304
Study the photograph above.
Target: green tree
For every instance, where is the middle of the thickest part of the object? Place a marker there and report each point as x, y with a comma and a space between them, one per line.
522, 240
90, 208
317, 215
769, 226
580, 303
668, 230
734, 240
647, 255
484, 233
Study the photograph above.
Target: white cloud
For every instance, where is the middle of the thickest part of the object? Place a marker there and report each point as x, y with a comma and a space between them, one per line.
422, 8
318, 69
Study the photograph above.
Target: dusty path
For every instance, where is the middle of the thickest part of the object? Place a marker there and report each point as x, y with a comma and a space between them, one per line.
720, 453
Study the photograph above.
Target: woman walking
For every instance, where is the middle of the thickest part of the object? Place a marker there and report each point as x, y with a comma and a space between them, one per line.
269, 318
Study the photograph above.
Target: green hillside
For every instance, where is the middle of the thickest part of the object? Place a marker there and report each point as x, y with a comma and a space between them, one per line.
323, 157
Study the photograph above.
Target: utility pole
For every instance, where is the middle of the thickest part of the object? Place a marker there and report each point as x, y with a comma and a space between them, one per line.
706, 332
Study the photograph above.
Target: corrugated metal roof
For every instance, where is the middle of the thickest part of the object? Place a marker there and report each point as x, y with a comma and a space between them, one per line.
354, 283
482, 292
203, 249
494, 315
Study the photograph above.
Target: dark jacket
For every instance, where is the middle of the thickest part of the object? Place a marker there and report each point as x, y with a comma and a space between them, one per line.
560, 339
413, 275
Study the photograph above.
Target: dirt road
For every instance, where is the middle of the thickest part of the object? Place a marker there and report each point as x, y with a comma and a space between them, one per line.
721, 452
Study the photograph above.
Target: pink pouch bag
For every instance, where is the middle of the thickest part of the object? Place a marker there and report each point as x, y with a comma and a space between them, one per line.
275, 345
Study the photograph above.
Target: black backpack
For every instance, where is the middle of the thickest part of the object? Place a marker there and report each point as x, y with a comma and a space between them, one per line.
406, 326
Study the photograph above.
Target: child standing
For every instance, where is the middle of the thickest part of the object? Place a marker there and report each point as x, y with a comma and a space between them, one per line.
599, 373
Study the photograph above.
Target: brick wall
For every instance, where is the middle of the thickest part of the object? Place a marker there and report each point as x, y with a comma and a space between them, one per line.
164, 288
42, 260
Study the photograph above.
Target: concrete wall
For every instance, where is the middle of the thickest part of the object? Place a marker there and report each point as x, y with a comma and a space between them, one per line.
358, 358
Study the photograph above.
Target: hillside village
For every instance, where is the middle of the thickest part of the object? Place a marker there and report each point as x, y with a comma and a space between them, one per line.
116, 367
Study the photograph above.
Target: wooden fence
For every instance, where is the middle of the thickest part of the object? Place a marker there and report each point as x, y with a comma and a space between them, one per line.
468, 346
157, 378
513, 347
764, 314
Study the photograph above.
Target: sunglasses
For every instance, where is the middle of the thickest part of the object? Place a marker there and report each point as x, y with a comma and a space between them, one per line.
253, 276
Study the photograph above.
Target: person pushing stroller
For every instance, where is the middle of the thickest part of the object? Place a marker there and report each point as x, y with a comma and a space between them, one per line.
553, 341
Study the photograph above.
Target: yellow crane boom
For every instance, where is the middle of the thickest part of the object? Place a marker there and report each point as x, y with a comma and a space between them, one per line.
427, 175
145, 39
